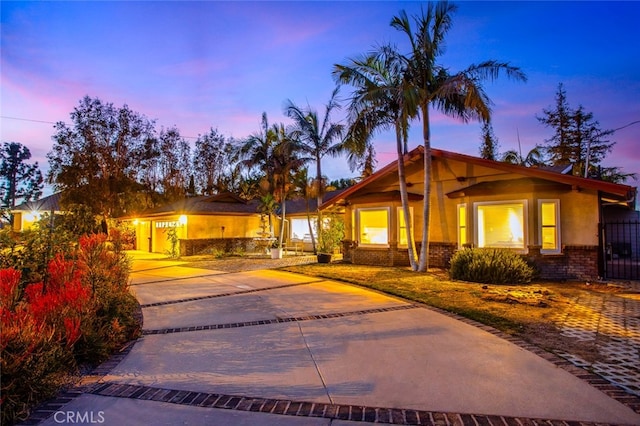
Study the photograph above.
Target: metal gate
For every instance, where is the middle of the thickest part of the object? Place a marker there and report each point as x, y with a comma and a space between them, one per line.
620, 245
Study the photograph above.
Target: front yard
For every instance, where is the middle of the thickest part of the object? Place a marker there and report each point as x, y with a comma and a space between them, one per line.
531, 312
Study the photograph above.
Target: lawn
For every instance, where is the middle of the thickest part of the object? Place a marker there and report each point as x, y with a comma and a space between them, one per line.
527, 311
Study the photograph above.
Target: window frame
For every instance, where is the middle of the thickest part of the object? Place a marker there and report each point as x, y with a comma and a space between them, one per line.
400, 215
525, 222
359, 221
459, 208
558, 235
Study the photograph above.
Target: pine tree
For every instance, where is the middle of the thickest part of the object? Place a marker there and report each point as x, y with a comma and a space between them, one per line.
578, 138
489, 146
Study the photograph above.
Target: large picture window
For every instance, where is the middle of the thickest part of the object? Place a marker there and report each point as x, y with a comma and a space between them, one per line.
501, 224
549, 226
373, 226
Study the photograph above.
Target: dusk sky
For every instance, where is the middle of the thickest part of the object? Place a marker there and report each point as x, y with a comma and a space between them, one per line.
210, 64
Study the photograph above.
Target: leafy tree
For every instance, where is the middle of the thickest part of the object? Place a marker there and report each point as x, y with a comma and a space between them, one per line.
208, 162
342, 183
19, 181
577, 139
167, 164
489, 146
98, 158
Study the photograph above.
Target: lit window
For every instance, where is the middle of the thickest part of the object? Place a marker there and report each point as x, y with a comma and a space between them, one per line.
373, 226
462, 225
402, 227
501, 225
549, 224
300, 228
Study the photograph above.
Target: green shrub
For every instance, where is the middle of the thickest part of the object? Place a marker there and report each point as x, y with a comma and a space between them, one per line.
490, 266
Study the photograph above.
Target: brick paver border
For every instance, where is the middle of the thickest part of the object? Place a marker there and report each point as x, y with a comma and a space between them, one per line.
278, 320
355, 413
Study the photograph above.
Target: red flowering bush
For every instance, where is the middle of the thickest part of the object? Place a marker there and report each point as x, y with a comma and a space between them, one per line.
80, 313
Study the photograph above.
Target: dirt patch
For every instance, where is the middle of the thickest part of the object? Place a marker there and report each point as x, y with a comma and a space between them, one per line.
532, 296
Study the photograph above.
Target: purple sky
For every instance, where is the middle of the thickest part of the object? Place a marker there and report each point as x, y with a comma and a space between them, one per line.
198, 65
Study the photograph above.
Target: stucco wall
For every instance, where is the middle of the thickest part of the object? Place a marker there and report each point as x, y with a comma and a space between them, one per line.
579, 215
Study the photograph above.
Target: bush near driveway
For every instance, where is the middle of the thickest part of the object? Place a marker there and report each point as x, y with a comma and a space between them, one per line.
78, 316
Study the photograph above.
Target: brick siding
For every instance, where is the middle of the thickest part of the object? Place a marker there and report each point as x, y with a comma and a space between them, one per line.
574, 263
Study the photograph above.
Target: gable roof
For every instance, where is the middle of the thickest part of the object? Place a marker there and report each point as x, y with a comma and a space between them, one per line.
227, 204
619, 192
45, 204
206, 205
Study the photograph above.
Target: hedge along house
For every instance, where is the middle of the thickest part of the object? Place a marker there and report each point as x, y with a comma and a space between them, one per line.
222, 222
550, 217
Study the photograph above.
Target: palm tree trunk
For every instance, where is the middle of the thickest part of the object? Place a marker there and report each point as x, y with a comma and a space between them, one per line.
319, 199
423, 265
404, 198
284, 207
313, 238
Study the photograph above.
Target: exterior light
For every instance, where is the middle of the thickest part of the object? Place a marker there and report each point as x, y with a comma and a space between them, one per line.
135, 222
32, 216
182, 220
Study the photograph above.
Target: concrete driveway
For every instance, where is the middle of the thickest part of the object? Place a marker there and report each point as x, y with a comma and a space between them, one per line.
269, 347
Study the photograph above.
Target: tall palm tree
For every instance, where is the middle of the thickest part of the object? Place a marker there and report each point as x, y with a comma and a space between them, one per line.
257, 149
460, 95
381, 100
318, 137
286, 160
256, 153
305, 188
415, 83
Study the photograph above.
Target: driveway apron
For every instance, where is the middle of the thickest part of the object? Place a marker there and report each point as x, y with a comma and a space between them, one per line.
271, 347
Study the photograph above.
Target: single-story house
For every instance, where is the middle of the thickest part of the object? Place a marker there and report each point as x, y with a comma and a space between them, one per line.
26, 214
550, 217
224, 222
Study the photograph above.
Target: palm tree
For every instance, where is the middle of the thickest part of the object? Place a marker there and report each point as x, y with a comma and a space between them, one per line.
459, 95
256, 153
393, 88
535, 157
318, 138
381, 100
286, 160
305, 188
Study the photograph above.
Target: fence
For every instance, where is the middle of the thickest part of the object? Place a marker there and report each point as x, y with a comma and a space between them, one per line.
620, 243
